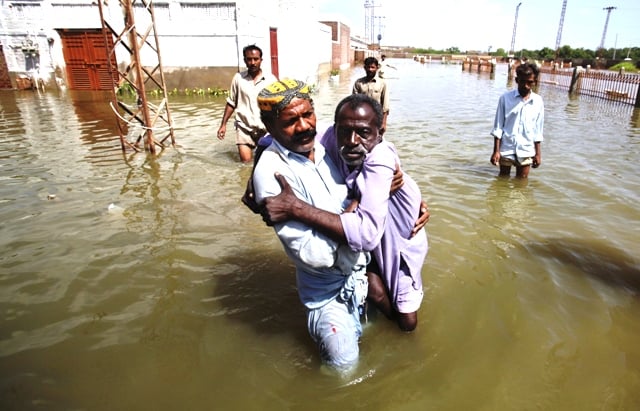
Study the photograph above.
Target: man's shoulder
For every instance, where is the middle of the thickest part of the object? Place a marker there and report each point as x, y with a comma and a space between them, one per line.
271, 159
268, 78
384, 153
240, 75
536, 98
510, 96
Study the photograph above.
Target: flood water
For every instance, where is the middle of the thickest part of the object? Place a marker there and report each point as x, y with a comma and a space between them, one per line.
144, 283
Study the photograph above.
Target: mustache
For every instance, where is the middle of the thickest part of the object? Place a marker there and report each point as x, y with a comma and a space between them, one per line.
311, 133
359, 149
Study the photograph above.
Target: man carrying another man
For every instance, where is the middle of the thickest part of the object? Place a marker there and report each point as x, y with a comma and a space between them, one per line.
330, 275
381, 220
331, 278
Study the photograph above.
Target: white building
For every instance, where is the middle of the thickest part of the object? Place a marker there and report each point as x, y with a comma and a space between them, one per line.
200, 41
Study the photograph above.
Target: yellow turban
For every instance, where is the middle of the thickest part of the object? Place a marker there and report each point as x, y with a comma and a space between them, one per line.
276, 96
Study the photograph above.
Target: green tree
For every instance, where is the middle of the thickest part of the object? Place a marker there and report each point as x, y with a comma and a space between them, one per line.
546, 54
582, 53
500, 52
529, 54
565, 52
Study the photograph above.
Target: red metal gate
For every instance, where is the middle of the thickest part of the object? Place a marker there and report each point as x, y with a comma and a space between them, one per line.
85, 55
5, 81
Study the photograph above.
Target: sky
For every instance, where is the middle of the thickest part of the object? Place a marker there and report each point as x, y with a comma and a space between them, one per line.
482, 24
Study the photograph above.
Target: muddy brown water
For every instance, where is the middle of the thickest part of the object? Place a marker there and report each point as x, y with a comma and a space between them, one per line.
130, 282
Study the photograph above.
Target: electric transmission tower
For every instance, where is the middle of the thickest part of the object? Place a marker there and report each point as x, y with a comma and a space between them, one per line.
515, 26
559, 36
606, 23
143, 122
369, 20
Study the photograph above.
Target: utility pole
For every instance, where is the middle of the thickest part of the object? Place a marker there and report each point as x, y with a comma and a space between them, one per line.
380, 27
559, 36
369, 20
515, 26
606, 23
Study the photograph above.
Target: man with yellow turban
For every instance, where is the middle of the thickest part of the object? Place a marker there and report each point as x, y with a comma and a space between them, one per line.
331, 278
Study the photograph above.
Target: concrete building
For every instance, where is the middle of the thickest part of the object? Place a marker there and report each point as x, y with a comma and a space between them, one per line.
60, 42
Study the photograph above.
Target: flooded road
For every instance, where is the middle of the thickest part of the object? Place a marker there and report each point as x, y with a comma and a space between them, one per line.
130, 282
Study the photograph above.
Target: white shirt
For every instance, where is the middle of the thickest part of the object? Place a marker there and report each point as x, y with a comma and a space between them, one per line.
519, 123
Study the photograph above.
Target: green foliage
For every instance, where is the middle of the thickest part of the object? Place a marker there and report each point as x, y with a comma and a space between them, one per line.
500, 52
126, 88
198, 92
546, 53
628, 67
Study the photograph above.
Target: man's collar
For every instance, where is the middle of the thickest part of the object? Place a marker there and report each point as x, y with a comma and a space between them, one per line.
317, 147
247, 76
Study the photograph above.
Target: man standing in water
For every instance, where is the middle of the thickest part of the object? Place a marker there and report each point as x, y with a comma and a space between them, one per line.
518, 125
374, 87
384, 65
331, 278
243, 92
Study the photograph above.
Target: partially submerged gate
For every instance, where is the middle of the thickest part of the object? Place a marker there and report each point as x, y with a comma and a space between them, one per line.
86, 54
5, 80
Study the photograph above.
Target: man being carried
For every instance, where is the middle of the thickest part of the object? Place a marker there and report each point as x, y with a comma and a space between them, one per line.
381, 223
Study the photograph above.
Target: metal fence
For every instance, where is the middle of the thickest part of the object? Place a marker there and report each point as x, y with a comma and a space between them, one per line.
618, 86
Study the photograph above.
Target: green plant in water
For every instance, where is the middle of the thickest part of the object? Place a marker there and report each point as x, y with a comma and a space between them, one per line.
127, 88
191, 92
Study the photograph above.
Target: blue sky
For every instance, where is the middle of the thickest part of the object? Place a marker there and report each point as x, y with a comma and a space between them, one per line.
478, 24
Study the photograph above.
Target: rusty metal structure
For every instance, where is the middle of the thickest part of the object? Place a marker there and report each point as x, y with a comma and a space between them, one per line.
142, 121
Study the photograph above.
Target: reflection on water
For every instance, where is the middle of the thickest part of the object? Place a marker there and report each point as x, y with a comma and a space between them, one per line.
132, 282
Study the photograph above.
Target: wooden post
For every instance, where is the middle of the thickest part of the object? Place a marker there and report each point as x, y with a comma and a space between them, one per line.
637, 104
574, 80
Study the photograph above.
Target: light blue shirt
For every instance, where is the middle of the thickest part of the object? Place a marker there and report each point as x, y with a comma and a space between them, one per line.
323, 266
518, 123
